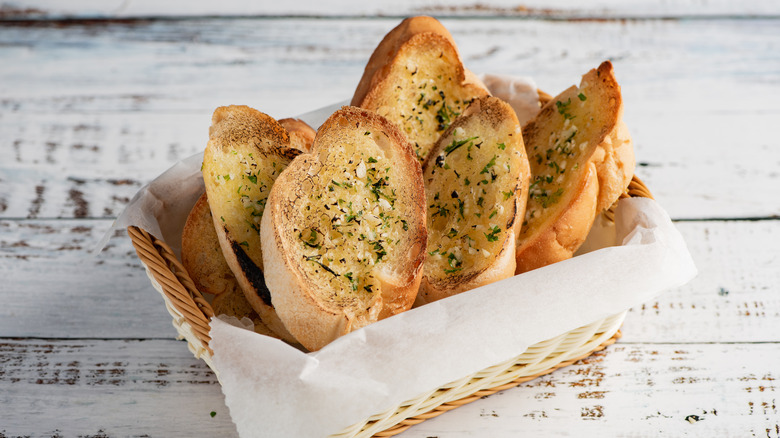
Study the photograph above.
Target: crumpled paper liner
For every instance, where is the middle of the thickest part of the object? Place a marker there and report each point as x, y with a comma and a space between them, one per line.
273, 389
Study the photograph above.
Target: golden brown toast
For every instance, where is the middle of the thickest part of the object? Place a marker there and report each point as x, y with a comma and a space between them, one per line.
581, 159
246, 152
476, 181
344, 231
416, 79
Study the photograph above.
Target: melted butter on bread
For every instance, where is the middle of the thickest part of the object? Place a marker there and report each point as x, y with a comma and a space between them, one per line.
344, 231
351, 223
416, 79
476, 181
581, 160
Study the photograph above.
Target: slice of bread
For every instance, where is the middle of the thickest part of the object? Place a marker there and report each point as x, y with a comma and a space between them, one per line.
476, 183
202, 258
581, 159
344, 233
301, 134
416, 79
201, 254
246, 152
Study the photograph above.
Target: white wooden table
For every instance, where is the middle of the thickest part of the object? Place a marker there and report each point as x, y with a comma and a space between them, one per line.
97, 98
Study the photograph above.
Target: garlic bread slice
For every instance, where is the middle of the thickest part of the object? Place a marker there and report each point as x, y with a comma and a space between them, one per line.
246, 152
416, 79
201, 254
202, 258
476, 182
344, 233
581, 159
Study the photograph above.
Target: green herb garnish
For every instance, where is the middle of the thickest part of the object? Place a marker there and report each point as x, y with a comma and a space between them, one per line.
493, 235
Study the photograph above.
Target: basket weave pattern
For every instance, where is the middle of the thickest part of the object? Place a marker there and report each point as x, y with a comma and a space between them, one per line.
191, 313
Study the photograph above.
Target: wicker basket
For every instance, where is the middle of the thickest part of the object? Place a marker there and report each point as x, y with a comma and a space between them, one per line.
191, 313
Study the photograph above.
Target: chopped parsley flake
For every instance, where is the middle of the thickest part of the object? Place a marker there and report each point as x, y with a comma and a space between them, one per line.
490, 164
493, 235
456, 144
563, 108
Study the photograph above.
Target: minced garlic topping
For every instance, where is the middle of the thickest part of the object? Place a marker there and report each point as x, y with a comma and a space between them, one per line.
351, 221
468, 220
243, 180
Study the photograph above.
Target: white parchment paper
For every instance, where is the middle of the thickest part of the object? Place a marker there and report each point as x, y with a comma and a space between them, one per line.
275, 390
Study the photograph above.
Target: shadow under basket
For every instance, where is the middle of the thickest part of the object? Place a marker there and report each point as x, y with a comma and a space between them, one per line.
191, 313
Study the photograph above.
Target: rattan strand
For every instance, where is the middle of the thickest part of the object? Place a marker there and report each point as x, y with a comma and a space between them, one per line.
191, 313
188, 303
527, 366
446, 407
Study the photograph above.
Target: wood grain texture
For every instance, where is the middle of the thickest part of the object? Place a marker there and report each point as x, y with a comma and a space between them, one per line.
733, 298
90, 110
77, 388
46, 263
55, 287
102, 388
556, 9
634, 391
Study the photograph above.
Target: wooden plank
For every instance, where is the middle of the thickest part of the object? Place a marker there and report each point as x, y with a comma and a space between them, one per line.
735, 296
55, 287
40, 9
60, 290
108, 388
634, 391
155, 388
76, 166
146, 98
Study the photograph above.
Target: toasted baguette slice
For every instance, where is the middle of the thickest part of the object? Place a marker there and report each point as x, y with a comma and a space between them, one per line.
581, 160
344, 233
476, 184
415, 78
301, 134
246, 152
201, 254
202, 258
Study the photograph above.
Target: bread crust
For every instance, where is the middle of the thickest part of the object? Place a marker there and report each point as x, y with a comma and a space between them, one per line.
484, 118
201, 254
607, 167
234, 303
307, 307
392, 89
566, 232
389, 46
240, 131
